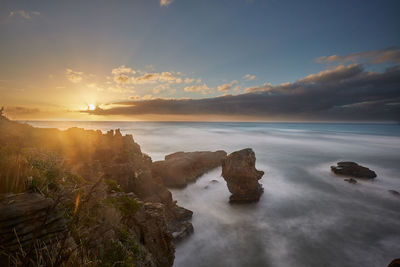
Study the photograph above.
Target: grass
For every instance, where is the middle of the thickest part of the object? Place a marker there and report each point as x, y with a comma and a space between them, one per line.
43, 160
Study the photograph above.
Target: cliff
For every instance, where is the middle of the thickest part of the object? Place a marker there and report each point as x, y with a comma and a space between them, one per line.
114, 209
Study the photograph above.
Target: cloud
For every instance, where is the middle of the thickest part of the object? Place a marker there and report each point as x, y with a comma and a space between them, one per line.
122, 74
198, 88
134, 97
166, 2
74, 76
343, 93
157, 77
189, 80
249, 77
24, 14
18, 110
147, 97
227, 86
160, 88
387, 55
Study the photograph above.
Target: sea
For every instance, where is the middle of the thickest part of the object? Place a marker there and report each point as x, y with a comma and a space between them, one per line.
307, 216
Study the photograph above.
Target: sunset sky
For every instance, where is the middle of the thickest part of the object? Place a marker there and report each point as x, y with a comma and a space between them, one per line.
241, 60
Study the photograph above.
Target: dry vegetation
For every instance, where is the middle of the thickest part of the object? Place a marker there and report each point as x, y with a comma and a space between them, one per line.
62, 165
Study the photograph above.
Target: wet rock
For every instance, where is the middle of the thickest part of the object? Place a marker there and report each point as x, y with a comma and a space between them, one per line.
351, 180
180, 225
395, 263
241, 176
352, 169
180, 168
181, 231
394, 192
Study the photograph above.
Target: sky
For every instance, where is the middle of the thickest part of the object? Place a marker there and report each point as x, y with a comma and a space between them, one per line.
200, 60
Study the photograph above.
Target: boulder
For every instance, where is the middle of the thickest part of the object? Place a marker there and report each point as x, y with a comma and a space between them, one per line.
241, 176
180, 168
352, 169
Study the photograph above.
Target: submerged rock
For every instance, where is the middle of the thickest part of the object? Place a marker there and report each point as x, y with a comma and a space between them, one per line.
351, 180
349, 168
180, 168
394, 192
241, 176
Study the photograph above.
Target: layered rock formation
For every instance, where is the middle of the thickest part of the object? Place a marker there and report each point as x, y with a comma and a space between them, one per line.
348, 168
88, 156
241, 176
180, 168
27, 218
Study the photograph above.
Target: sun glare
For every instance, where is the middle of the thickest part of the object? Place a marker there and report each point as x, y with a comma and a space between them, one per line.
91, 107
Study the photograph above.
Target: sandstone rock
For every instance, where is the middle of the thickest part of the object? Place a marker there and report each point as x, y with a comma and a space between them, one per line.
180, 168
241, 176
150, 226
351, 180
352, 169
27, 218
179, 225
181, 231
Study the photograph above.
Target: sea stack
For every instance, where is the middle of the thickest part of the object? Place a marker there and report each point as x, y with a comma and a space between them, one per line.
352, 169
241, 176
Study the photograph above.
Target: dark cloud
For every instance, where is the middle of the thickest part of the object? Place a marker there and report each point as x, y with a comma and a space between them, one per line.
18, 110
390, 55
343, 93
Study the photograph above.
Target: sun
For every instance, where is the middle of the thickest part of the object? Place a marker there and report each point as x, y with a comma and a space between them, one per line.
91, 107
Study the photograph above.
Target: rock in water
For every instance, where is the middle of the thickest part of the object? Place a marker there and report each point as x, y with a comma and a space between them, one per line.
394, 192
180, 168
352, 169
241, 176
351, 180
395, 263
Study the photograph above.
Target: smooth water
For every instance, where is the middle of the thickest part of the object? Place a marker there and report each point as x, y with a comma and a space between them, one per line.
307, 216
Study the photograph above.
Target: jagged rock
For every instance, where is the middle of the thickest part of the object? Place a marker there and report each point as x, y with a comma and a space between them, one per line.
181, 231
394, 263
151, 227
180, 225
394, 192
180, 168
351, 180
349, 168
90, 154
241, 176
26, 218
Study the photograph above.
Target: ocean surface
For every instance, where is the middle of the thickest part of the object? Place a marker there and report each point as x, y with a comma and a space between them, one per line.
307, 216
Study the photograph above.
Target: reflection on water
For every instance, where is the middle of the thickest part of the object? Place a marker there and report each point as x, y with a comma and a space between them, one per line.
306, 216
